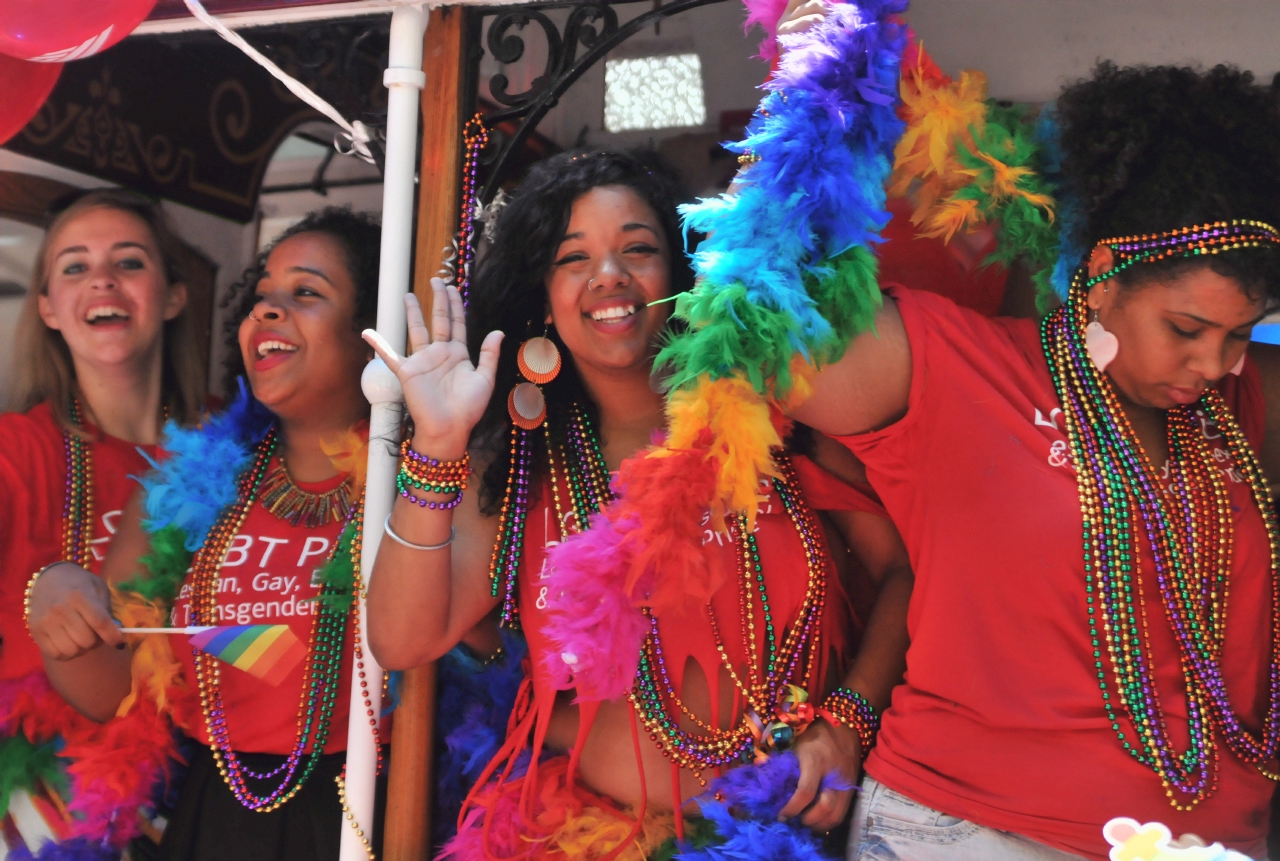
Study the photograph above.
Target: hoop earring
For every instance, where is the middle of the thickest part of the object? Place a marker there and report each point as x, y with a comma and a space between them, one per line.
1101, 345
539, 362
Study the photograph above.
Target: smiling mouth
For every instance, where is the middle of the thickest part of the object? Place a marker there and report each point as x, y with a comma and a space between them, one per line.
105, 314
609, 315
270, 348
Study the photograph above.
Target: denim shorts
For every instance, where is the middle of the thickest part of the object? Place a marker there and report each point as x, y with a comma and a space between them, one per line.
889, 826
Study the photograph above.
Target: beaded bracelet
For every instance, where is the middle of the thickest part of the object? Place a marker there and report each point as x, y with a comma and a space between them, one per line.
851, 709
432, 476
31, 587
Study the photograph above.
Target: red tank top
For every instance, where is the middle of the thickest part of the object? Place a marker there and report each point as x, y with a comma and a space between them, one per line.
783, 563
1000, 720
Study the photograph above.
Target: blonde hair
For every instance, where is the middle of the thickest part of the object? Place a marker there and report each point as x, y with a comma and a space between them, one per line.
45, 369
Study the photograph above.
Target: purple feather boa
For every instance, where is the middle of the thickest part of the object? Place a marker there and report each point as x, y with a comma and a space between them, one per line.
75, 849
747, 817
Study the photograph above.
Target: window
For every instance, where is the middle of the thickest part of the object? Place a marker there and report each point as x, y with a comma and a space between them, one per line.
653, 93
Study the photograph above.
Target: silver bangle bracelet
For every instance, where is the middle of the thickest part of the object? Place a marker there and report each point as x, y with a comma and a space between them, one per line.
386, 527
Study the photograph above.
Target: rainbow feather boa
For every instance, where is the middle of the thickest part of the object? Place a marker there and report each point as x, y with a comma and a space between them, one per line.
786, 278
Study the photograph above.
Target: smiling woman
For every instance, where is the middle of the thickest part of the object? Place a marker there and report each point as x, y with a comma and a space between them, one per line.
105, 351
273, 525
583, 260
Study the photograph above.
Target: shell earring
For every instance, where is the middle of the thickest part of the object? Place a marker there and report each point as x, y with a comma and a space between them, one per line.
1101, 345
539, 362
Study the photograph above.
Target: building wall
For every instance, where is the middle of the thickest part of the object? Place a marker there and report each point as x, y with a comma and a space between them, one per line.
1031, 48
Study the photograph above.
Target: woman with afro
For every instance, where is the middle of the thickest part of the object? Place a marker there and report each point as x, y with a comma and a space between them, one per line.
1086, 500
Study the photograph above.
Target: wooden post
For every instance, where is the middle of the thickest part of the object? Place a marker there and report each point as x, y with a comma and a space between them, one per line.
407, 832
440, 176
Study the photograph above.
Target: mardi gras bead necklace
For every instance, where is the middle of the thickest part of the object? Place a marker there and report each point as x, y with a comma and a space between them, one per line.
77, 507
771, 667
588, 491
1189, 531
320, 679
775, 673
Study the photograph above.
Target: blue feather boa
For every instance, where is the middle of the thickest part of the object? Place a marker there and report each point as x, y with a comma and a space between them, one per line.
473, 707
1071, 246
192, 486
75, 849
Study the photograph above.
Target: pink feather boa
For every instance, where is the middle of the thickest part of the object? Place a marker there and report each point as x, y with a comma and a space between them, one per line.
595, 628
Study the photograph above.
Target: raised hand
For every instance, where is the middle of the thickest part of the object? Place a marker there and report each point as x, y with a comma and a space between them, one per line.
445, 393
800, 15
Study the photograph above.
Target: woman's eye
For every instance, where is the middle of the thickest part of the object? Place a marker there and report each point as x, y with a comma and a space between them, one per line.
1242, 336
575, 257
1183, 333
305, 291
131, 263
74, 268
642, 249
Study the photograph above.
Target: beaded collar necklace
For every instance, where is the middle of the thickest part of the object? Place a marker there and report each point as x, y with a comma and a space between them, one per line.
772, 667
290, 503
321, 679
1189, 531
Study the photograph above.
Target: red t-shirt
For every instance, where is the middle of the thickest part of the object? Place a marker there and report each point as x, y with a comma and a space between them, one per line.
1000, 720
268, 578
33, 471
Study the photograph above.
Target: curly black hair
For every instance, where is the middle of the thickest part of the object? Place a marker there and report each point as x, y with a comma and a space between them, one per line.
508, 292
1147, 149
360, 236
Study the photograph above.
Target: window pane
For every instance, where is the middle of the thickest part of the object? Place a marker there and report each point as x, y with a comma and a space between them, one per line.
653, 93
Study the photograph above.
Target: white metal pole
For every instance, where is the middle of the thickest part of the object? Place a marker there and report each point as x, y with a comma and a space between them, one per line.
405, 79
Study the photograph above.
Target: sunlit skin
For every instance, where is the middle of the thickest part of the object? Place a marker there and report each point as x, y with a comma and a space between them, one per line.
108, 293
1177, 336
299, 339
614, 258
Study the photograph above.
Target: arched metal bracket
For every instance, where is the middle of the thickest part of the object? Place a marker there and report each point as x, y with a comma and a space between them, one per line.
592, 25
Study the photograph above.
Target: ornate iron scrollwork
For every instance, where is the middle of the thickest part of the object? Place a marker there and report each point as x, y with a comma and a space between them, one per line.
591, 26
342, 61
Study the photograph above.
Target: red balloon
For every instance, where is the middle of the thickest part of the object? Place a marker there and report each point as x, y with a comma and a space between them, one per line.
26, 86
58, 31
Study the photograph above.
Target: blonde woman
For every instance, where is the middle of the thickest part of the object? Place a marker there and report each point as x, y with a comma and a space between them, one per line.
106, 350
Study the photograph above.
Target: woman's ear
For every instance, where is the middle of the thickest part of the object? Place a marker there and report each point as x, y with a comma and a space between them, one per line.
175, 300
1101, 261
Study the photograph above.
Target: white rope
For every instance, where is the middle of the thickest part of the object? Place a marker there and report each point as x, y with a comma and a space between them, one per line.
356, 133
